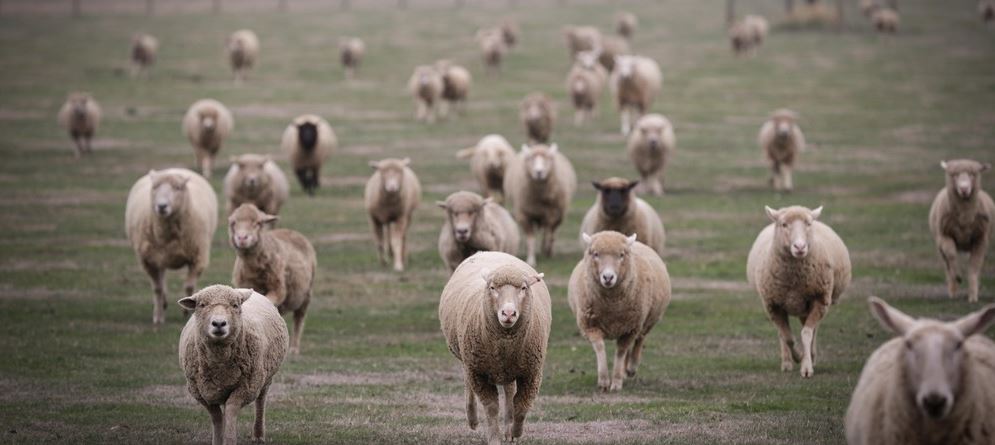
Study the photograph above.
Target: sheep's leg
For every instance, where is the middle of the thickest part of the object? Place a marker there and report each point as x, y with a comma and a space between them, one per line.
530, 243
217, 423
471, 402
634, 357
302, 177
786, 178
232, 407
808, 336
205, 165
625, 120
788, 354
525, 394
622, 346
509, 411
948, 251
548, 238
259, 428
657, 184
974, 268
315, 179
78, 146
489, 398
598, 343
397, 230
378, 232
420, 111
775, 175
158, 277
295, 343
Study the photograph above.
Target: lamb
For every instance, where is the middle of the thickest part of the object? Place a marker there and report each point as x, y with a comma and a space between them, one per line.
426, 87
509, 33
229, 352
625, 24
489, 160
616, 299
308, 141
143, 53
207, 124
278, 263
748, 34
618, 209
495, 315
610, 48
585, 83
243, 52
960, 220
170, 219
456, 82
581, 38
351, 52
799, 267
986, 9
474, 224
933, 384
781, 139
885, 20
540, 183
258, 180
492, 48
538, 113
81, 116
392, 194
636, 80
649, 147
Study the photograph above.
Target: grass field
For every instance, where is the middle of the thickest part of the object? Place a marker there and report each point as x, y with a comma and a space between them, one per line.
82, 362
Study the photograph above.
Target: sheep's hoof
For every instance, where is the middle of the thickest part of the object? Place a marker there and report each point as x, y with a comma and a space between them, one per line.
616, 386
787, 366
807, 371
603, 385
630, 373
472, 423
960, 280
294, 350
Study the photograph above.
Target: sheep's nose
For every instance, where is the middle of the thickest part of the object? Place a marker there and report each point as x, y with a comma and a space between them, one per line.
799, 246
161, 207
608, 278
219, 323
509, 313
934, 404
462, 232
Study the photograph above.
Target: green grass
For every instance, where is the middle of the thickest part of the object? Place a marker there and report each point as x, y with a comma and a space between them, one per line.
83, 364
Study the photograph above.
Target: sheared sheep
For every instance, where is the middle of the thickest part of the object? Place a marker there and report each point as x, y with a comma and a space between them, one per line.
781, 139
540, 183
474, 224
258, 180
492, 48
207, 124
392, 194
625, 24
351, 52
308, 141
243, 52
488, 161
456, 82
649, 147
426, 87
636, 81
538, 114
144, 49
618, 209
81, 116
585, 83
885, 20
581, 38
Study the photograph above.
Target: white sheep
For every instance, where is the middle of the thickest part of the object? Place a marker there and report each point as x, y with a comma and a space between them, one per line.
585, 83
207, 125
625, 24
492, 48
351, 53
144, 49
581, 38
308, 141
258, 180
80, 116
781, 139
540, 183
474, 224
610, 48
618, 209
748, 34
243, 52
538, 114
885, 20
635, 81
649, 148
488, 161
456, 83
392, 194
426, 88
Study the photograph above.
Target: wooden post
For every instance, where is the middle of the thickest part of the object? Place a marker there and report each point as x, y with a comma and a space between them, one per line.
77, 8
730, 11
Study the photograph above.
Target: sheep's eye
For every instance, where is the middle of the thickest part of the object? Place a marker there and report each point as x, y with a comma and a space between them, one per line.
908, 345
784, 225
595, 254
960, 344
234, 305
202, 305
621, 255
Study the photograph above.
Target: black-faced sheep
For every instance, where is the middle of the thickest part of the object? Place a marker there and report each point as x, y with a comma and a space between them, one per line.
426, 87
488, 161
243, 52
618, 209
456, 83
540, 184
144, 49
474, 224
636, 81
351, 52
308, 141
649, 147
81, 116
207, 124
258, 180
538, 114
781, 139
392, 194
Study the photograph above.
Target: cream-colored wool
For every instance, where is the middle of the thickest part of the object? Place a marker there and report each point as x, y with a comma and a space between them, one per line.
456, 83
80, 116
581, 38
144, 49
207, 125
492, 48
425, 86
243, 52
475, 224
257, 180
886, 20
626, 24
489, 160
538, 114
635, 81
781, 139
392, 194
649, 148
585, 84
351, 53
540, 183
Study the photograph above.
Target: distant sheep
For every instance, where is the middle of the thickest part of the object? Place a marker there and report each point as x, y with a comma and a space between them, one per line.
625, 24
492, 48
540, 184
510, 33
488, 161
885, 20
986, 9
581, 38
611, 47
426, 88
585, 83
618, 209
207, 125
392, 194
635, 81
308, 141
474, 224
649, 147
748, 34
538, 114
961, 220
456, 83
81, 116
781, 139
257, 180
243, 52
351, 53
144, 49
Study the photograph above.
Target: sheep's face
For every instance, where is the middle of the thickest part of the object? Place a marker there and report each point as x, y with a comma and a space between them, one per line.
307, 135
462, 209
784, 125
539, 161
793, 229
168, 193
615, 194
964, 176
533, 110
251, 168
607, 256
510, 294
208, 119
391, 174
246, 224
426, 76
218, 310
79, 103
652, 134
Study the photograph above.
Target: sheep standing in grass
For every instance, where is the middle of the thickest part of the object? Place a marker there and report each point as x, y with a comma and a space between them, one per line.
278, 263
540, 183
351, 52
800, 267
781, 139
649, 147
618, 291
243, 52
488, 161
426, 87
474, 224
229, 352
257, 180
207, 124
143, 53
885, 20
392, 194
456, 82
961, 221
308, 141
80, 116
610, 48
170, 219
585, 83
933, 384
618, 209
492, 48
748, 34
986, 9
495, 314
581, 38
625, 24
510, 33
538, 114
636, 81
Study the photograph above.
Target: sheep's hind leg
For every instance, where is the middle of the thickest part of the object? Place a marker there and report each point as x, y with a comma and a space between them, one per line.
509, 411
259, 428
158, 277
295, 344
217, 423
789, 355
974, 269
634, 357
948, 251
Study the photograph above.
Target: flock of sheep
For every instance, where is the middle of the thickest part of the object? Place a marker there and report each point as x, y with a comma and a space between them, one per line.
934, 383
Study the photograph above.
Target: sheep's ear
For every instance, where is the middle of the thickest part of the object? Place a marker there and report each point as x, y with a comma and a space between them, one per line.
943, 165
526, 149
243, 295
374, 165
488, 200
772, 214
985, 167
587, 239
152, 174
535, 279
630, 240
632, 185
406, 162
597, 185
465, 153
485, 274
976, 322
553, 148
890, 318
188, 303
267, 219
815, 213
442, 204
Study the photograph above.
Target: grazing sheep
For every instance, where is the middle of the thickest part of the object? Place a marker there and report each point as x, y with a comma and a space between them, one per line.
243, 51
581, 38
618, 291
867, 7
308, 141
278, 263
80, 116
585, 84
170, 220
510, 33
649, 147
618, 209
748, 34
392, 194
540, 183
885, 20
611, 47
351, 52
488, 161
986, 9
207, 124
143, 53
960, 220
257, 180
229, 352
636, 80
933, 384
781, 139
474, 224
426, 87
625, 24
538, 113
800, 267
456, 82
492, 48
495, 314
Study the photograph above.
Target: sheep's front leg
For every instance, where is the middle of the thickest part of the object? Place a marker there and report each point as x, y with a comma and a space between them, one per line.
549, 237
78, 146
471, 402
295, 342
948, 251
808, 336
788, 353
509, 411
232, 407
489, 398
530, 243
634, 357
786, 182
217, 423
775, 175
624, 111
526, 394
259, 428
397, 231
378, 230
420, 110
974, 269
207, 165
158, 278
622, 346
598, 343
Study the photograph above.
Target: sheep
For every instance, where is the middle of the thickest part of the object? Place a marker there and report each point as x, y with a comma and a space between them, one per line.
885, 20
495, 315
625, 24
474, 224
243, 52
308, 141
610, 48
278, 263
986, 9
170, 219
258, 180
538, 114
456, 82
748, 34
207, 124
426, 87
781, 139
540, 183
392, 194
81, 116
933, 384
867, 7
636, 80
618, 299
649, 147
143, 53
960, 220
585, 83
799, 267
509, 33
351, 52
581, 38
492, 48
617, 208
489, 160
229, 351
